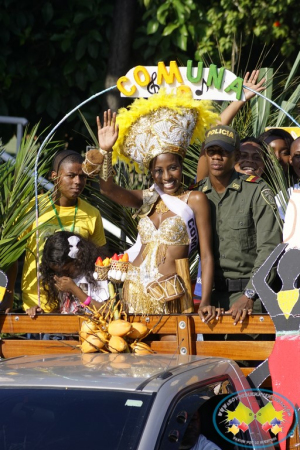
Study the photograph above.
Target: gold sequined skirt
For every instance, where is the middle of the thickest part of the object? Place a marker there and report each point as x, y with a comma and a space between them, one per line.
136, 300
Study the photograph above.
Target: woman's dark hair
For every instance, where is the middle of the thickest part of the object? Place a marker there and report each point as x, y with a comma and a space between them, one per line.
277, 133
56, 253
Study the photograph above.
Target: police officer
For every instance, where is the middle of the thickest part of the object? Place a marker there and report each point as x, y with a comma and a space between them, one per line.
245, 227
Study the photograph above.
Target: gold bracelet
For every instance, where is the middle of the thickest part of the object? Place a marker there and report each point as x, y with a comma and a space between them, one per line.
106, 170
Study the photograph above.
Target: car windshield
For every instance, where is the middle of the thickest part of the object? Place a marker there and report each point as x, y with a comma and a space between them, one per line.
62, 419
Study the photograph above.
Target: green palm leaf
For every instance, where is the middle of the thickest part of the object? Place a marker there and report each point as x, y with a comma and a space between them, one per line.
290, 79
288, 105
261, 107
16, 190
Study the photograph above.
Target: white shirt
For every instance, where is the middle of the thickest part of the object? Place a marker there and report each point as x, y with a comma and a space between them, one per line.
69, 304
99, 292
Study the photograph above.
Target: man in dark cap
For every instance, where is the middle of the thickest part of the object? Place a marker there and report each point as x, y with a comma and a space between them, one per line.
61, 210
245, 227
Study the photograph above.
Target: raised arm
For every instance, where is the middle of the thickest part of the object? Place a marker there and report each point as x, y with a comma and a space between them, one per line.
107, 137
250, 80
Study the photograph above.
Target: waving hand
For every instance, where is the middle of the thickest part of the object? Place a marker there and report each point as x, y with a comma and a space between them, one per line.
250, 80
108, 133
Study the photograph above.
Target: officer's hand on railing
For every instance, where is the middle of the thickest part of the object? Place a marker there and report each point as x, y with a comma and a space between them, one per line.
241, 309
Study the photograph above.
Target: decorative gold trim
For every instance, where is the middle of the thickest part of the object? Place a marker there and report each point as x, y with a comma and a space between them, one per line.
106, 170
161, 207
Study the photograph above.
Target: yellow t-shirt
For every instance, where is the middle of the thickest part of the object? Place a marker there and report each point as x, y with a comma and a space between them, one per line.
88, 223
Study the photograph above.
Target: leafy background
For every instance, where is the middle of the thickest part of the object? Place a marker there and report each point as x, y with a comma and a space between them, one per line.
56, 54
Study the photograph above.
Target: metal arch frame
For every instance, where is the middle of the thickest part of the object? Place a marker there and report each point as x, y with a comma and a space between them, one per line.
273, 103
49, 136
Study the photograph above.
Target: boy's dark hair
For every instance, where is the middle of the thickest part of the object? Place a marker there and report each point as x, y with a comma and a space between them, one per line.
56, 253
65, 156
255, 141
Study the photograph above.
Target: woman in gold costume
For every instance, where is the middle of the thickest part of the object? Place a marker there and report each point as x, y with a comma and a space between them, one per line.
155, 134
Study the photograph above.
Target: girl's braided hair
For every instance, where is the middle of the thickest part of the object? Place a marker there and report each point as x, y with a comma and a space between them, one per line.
56, 253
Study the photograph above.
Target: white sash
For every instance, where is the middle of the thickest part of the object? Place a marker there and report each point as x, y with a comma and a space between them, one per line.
179, 208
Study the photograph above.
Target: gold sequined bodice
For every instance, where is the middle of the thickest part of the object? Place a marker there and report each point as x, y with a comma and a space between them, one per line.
156, 241
172, 231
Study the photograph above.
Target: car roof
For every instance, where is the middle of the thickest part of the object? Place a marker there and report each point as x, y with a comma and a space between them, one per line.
107, 371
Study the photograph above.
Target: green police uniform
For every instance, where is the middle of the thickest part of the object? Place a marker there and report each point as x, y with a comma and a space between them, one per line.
245, 232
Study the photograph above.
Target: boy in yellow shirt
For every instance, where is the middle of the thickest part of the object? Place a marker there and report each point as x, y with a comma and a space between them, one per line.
64, 211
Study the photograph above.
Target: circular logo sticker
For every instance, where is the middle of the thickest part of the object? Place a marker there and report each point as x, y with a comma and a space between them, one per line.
254, 417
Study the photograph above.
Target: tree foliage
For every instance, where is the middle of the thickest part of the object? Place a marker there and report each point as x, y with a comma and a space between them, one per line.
223, 29
16, 190
56, 54
53, 55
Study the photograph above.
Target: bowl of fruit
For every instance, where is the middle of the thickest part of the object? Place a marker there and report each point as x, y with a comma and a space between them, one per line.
118, 268
102, 268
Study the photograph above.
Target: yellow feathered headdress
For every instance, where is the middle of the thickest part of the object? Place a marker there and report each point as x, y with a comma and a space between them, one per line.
163, 123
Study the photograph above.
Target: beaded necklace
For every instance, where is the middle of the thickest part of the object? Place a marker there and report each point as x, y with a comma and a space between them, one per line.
58, 218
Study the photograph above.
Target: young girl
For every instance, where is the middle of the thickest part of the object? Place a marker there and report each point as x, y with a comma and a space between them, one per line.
67, 268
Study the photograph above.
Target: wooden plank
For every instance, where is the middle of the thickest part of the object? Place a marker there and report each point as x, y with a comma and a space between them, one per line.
19, 347
184, 335
255, 324
247, 370
65, 323
165, 327
166, 324
238, 350
293, 442
166, 347
266, 384
43, 323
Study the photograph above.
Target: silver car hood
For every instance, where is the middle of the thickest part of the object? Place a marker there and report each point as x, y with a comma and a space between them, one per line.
106, 371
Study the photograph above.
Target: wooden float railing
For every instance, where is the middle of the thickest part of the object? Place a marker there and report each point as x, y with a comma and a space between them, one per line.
172, 334
176, 333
